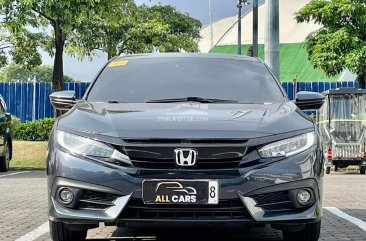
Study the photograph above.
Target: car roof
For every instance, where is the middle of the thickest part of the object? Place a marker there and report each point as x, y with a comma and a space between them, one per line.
187, 55
342, 91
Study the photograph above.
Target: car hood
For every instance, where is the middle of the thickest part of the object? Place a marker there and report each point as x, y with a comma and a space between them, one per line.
184, 120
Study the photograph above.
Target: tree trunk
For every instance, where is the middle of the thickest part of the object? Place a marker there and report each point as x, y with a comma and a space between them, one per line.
111, 51
58, 72
110, 55
111, 48
361, 79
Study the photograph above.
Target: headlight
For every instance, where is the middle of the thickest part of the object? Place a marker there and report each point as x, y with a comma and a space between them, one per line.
88, 147
288, 147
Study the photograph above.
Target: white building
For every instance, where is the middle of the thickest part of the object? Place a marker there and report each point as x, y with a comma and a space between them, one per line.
292, 36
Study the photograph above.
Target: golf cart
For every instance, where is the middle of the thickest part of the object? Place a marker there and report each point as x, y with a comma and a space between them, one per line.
342, 126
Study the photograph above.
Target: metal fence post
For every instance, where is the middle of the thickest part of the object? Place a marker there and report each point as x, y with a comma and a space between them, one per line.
34, 99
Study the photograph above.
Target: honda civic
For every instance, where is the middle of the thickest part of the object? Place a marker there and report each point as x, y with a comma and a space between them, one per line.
177, 140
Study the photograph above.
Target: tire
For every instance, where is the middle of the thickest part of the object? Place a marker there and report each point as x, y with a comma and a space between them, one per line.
311, 232
5, 160
327, 170
59, 232
336, 168
362, 170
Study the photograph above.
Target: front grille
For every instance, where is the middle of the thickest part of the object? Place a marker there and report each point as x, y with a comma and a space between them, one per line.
272, 202
225, 210
96, 200
159, 153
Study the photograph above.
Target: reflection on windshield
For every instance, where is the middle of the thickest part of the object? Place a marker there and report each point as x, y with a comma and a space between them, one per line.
347, 115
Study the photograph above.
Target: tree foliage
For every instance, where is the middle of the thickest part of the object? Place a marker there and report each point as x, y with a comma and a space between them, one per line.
22, 46
17, 73
341, 43
80, 27
139, 29
63, 17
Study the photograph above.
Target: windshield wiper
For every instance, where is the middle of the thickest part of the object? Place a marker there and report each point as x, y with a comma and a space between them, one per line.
195, 99
114, 101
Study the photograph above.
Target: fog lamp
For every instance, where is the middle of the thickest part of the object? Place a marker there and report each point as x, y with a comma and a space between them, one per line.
303, 197
66, 196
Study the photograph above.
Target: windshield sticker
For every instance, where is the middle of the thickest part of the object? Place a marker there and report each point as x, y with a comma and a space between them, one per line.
118, 63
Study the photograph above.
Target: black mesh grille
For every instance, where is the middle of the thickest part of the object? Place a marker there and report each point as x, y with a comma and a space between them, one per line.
276, 201
96, 200
225, 210
87, 205
99, 196
276, 207
272, 197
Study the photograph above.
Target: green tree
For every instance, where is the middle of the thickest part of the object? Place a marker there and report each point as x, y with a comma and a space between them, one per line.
183, 32
63, 17
341, 42
17, 73
139, 29
22, 46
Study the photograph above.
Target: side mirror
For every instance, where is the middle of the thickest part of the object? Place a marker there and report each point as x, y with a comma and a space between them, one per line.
309, 100
63, 100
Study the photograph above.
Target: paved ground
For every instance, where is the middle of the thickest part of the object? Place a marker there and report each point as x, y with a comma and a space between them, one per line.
23, 211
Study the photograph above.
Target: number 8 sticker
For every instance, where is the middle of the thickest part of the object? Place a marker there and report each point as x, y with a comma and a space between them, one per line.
213, 192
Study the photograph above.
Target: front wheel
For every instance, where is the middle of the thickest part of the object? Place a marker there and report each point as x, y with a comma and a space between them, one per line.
311, 232
363, 170
327, 170
59, 232
5, 160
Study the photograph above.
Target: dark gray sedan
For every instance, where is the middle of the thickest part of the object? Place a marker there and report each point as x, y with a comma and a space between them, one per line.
185, 140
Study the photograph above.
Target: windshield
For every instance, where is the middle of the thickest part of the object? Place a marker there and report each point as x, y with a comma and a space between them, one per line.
140, 80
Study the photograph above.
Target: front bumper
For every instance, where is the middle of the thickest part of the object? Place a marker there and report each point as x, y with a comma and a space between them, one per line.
303, 171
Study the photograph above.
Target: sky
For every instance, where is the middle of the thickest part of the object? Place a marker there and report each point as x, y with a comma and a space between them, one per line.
85, 70
199, 8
